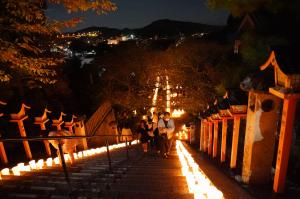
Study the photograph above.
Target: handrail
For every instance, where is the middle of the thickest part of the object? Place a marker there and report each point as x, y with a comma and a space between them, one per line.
39, 138
61, 156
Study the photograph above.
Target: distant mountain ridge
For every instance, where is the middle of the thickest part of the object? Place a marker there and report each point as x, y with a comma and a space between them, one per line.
163, 27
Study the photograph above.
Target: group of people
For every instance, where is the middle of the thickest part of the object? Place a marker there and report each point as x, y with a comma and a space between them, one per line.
157, 133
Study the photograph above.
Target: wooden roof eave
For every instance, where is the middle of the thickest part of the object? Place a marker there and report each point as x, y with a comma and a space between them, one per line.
272, 61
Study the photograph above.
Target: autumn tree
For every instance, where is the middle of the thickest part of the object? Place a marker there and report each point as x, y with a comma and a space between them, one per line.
25, 33
131, 71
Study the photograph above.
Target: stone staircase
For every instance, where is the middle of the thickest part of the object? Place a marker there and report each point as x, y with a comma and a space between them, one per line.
151, 177
140, 176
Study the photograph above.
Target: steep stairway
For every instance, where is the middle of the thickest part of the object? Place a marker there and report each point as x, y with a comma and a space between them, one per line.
140, 176
151, 176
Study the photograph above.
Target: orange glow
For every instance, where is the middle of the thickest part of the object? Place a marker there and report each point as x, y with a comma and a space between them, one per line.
177, 113
16, 171
40, 164
5, 171
56, 160
197, 181
32, 164
49, 162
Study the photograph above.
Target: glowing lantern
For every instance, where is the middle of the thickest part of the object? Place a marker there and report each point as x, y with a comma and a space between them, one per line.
197, 182
16, 171
32, 164
5, 172
21, 166
56, 161
75, 156
49, 162
40, 164
67, 157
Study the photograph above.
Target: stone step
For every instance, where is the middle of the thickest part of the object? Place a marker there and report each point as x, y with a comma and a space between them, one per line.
142, 180
145, 195
161, 188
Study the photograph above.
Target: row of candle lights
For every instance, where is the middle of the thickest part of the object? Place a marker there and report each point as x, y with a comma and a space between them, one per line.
50, 162
197, 181
177, 113
182, 135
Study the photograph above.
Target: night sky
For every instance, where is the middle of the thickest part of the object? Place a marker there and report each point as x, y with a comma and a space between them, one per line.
139, 13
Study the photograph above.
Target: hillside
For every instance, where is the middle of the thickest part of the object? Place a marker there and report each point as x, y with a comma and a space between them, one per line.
163, 28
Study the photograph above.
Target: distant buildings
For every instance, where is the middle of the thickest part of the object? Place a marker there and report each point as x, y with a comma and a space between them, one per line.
118, 39
79, 35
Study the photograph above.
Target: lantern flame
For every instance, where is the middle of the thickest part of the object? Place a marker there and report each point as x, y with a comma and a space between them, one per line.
56, 160
5, 171
49, 162
40, 164
16, 171
197, 181
32, 164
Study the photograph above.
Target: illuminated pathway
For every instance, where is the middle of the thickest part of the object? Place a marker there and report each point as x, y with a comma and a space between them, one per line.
139, 177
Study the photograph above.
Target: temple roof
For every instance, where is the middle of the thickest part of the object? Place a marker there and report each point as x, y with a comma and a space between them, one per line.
287, 59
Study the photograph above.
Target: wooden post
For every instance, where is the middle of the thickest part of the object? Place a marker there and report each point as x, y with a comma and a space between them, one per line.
42, 121
210, 138
19, 118
215, 146
224, 138
46, 143
202, 135
205, 137
235, 141
25, 143
58, 122
70, 124
3, 155
285, 139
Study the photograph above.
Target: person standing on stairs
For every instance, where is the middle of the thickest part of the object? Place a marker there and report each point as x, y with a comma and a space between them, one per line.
125, 126
166, 127
142, 132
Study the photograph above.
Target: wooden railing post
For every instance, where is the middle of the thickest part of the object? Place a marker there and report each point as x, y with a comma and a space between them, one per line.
224, 139
70, 124
215, 145
42, 122
284, 147
201, 135
210, 138
58, 122
235, 141
19, 118
205, 136
3, 155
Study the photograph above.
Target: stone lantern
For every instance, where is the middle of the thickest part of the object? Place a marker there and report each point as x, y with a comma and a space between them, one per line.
285, 62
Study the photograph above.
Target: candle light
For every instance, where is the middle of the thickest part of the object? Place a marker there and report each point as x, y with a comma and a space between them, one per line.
16, 171
49, 162
32, 164
40, 164
56, 160
5, 171
197, 182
